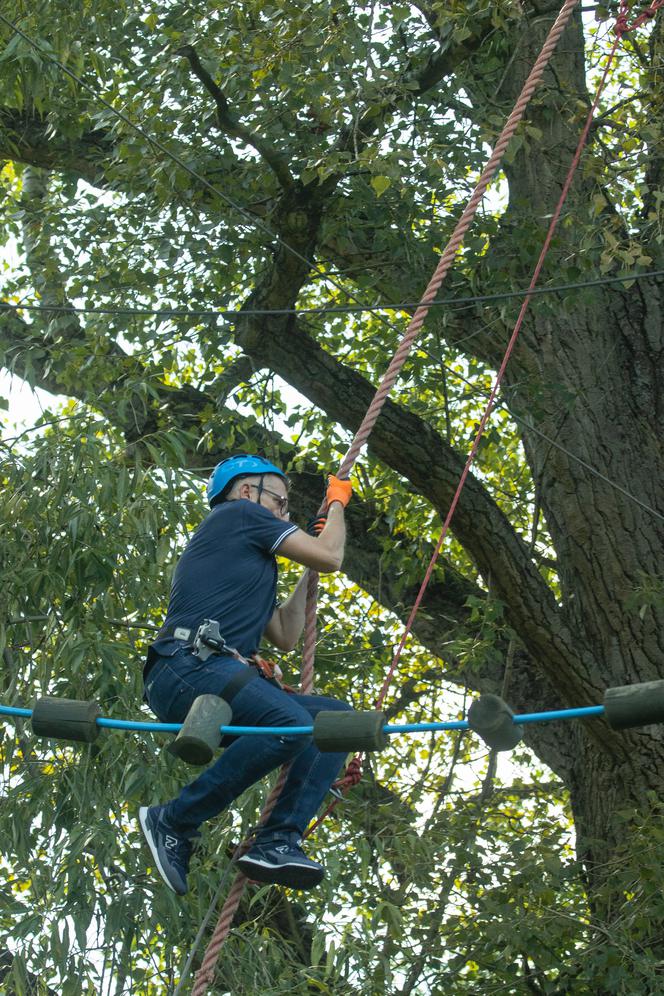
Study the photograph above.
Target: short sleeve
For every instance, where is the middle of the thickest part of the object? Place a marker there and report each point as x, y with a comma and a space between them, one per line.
265, 530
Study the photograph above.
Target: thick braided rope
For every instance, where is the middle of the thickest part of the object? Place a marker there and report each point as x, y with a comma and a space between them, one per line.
623, 27
206, 972
456, 239
553, 224
444, 264
309, 646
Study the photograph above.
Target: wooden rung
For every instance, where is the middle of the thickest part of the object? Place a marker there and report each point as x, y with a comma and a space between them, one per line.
200, 734
65, 719
345, 731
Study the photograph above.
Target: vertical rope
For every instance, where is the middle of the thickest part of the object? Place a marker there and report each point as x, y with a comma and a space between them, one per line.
206, 973
309, 646
508, 352
444, 265
456, 239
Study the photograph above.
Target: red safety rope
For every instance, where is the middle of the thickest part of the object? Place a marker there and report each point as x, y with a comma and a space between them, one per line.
353, 771
622, 26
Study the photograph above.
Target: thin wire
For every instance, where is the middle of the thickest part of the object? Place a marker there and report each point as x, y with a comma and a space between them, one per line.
499, 406
503, 406
253, 221
459, 302
272, 235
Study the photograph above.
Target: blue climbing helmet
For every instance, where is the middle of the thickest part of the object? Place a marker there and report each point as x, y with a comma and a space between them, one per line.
240, 465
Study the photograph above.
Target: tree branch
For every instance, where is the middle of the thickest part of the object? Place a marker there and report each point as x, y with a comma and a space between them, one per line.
406, 443
28, 138
438, 66
231, 125
236, 373
403, 440
108, 389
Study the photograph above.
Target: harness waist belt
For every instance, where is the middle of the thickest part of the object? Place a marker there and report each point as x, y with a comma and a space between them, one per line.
204, 642
206, 639
192, 636
189, 636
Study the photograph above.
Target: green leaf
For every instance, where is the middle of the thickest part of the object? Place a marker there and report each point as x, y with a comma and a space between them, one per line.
380, 184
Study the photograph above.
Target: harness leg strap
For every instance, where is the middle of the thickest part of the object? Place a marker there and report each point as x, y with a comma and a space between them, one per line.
237, 683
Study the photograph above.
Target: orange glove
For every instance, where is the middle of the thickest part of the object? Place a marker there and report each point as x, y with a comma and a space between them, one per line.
338, 490
316, 526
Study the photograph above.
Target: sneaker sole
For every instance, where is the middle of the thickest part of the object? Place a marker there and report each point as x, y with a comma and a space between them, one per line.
143, 820
292, 876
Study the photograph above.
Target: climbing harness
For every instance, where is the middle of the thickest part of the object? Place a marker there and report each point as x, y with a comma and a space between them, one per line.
271, 671
203, 640
208, 641
209, 718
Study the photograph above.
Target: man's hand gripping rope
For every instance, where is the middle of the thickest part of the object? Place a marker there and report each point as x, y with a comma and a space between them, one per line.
338, 489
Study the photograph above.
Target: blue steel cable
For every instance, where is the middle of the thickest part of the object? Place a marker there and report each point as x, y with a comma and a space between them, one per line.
390, 728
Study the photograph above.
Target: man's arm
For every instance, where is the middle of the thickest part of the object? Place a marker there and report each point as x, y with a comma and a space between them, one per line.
287, 622
325, 552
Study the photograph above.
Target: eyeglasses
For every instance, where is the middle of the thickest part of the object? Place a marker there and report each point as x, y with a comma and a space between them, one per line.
280, 499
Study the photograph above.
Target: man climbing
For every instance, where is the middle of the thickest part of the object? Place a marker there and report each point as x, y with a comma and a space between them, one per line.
228, 573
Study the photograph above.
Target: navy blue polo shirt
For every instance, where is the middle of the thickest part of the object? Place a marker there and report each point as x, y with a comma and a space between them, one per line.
228, 572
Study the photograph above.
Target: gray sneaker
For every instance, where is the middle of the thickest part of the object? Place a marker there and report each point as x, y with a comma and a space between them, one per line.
171, 849
279, 859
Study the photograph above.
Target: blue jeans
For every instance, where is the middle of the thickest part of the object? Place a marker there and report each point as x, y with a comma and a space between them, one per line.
171, 687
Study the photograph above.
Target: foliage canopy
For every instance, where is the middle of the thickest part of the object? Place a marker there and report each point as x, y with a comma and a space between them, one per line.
329, 148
